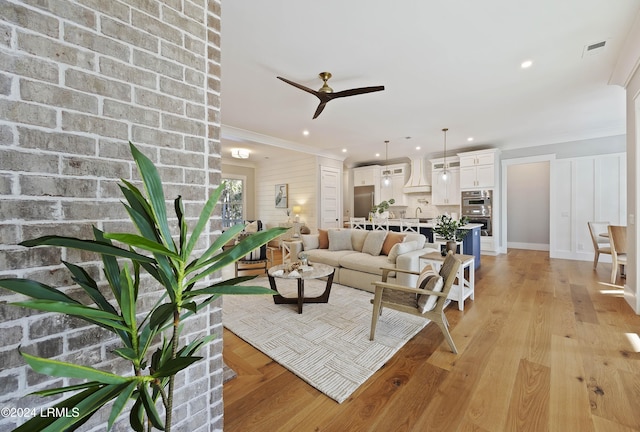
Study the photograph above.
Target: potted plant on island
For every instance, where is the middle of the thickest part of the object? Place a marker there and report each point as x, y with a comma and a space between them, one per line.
451, 230
382, 210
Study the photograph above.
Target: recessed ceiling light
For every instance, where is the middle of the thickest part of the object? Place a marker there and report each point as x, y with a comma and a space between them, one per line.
305, 132
470, 139
418, 148
344, 150
526, 64
377, 154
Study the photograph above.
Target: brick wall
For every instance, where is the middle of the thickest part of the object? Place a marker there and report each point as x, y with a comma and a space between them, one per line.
78, 79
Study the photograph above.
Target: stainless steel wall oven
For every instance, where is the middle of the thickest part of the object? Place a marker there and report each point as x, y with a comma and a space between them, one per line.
477, 207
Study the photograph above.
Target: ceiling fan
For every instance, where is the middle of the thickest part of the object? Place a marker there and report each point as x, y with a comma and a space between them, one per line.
325, 93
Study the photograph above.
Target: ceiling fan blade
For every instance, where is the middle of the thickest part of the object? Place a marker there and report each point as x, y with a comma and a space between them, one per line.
319, 109
300, 86
356, 91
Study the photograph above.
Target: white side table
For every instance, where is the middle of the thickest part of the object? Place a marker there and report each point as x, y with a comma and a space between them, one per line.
465, 287
290, 250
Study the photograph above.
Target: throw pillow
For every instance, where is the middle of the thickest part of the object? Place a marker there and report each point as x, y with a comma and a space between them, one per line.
358, 236
373, 243
323, 239
428, 280
339, 240
401, 248
421, 239
310, 241
391, 239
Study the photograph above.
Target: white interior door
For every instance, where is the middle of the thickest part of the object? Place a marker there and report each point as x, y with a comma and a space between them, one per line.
330, 197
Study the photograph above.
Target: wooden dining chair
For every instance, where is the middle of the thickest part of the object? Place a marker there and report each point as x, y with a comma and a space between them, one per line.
600, 244
618, 239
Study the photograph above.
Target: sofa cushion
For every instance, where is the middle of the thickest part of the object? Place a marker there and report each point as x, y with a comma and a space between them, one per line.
364, 262
428, 280
391, 239
339, 240
401, 248
310, 241
326, 256
373, 243
358, 236
421, 239
323, 239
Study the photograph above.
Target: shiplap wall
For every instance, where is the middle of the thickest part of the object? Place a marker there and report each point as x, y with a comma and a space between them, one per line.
300, 172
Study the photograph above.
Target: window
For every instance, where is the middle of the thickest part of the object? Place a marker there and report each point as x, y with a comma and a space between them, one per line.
233, 202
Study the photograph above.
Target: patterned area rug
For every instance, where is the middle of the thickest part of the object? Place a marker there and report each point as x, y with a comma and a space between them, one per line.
328, 344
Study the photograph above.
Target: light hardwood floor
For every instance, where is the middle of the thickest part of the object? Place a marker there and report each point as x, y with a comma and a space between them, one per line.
547, 345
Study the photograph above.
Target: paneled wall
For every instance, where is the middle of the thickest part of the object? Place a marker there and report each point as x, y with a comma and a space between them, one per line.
78, 80
300, 172
585, 189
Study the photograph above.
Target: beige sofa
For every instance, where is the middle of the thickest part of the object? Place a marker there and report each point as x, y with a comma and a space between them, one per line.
358, 255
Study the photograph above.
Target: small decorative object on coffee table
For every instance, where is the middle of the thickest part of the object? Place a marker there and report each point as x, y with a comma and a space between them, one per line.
297, 271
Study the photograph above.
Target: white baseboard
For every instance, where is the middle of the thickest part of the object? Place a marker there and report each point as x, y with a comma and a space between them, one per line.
529, 246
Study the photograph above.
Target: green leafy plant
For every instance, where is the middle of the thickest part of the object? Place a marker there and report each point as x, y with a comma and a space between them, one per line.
450, 229
170, 264
383, 206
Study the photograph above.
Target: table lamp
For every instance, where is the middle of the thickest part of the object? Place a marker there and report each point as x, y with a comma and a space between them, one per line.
296, 211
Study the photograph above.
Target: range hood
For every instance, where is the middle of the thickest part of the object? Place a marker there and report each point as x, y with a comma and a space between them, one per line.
418, 182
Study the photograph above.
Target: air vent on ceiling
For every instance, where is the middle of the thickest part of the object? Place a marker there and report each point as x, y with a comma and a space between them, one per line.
594, 48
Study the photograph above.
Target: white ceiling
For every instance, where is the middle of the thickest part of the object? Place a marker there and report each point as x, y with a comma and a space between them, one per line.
446, 63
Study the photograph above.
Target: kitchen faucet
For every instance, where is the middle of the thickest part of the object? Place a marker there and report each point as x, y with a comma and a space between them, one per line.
418, 209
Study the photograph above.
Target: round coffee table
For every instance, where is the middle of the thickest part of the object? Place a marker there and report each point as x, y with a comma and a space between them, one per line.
312, 271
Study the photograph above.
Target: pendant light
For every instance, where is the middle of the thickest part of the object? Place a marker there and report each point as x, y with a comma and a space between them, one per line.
445, 172
386, 180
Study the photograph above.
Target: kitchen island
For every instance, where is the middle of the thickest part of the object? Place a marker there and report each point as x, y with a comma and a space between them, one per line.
470, 242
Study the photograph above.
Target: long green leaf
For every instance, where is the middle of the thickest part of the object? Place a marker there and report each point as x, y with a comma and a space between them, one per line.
141, 207
35, 290
88, 245
128, 301
195, 345
120, 403
182, 224
136, 415
153, 186
150, 408
230, 289
58, 390
87, 407
70, 370
142, 243
203, 220
39, 423
81, 311
160, 315
82, 278
111, 267
222, 240
173, 366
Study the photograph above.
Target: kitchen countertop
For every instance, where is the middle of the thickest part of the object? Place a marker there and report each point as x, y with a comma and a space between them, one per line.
396, 222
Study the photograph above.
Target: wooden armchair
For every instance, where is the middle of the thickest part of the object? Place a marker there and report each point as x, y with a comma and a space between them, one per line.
618, 238
406, 299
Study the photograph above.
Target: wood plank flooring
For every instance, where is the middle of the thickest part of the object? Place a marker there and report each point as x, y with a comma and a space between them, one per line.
545, 346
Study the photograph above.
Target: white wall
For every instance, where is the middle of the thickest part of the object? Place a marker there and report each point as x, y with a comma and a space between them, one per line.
585, 189
528, 206
300, 173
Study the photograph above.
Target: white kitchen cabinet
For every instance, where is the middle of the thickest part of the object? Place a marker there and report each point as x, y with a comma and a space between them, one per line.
445, 192
366, 176
478, 169
398, 174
